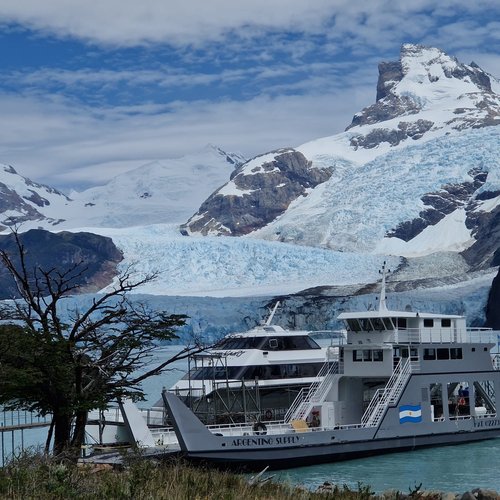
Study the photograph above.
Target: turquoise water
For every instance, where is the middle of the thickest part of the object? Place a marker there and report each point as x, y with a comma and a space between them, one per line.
446, 468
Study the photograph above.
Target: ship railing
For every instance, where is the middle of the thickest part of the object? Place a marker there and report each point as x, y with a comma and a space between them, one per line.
314, 394
275, 427
299, 399
446, 335
113, 414
495, 358
389, 394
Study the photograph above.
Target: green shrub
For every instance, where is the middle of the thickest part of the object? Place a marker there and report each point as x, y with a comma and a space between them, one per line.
36, 476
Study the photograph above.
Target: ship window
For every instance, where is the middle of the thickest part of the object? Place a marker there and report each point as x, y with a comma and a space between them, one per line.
378, 355
357, 355
273, 344
443, 354
429, 354
428, 322
366, 325
215, 373
293, 343
367, 355
388, 324
401, 323
414, 354
446, 323
436, 395
378, 324
484, 395
240, 343
353, 325
456, 353
458, 400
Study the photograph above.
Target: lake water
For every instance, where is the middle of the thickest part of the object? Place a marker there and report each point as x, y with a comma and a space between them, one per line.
448, 468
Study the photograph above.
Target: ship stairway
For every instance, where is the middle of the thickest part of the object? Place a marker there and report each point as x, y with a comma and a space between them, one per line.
486, 390
315, 394
389, 395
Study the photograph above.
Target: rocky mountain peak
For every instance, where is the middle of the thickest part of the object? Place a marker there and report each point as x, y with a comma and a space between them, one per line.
259, 191
426, 90
23, 200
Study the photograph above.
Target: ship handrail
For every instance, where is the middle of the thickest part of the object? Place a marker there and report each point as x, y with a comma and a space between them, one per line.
432, 335
388, 395
315, 393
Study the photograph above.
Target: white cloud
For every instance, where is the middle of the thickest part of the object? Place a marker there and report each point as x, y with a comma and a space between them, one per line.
129, 22
62, 142
65, 145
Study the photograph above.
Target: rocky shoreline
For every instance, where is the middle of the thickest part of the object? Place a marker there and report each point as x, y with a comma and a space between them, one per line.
417, 493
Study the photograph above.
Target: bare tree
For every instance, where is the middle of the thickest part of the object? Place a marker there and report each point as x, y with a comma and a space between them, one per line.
66, 362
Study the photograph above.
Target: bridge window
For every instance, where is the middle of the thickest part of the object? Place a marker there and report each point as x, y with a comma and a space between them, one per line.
378, 324
401, 322
353, 325
378, 355
388, 324
429, 323
446, 323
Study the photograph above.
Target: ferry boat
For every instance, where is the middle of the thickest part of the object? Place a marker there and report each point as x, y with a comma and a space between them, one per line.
258, 372
403, 380
252, 375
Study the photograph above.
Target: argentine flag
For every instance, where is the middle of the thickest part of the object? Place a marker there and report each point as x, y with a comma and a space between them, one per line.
410, 413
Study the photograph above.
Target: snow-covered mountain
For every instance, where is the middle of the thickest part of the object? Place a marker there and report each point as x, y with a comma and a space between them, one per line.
163, 191
22, 200
416, 176
415, 173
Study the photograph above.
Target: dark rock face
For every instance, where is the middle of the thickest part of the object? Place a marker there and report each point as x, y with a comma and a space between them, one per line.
46, 250
440, 203
414, 130
485, 252
266, 192
493, 305
386, 109
389, 73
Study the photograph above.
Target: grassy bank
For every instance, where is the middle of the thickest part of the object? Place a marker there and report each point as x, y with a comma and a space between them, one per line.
31, 477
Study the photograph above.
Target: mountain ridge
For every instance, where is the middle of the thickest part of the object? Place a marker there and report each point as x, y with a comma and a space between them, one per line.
431, 134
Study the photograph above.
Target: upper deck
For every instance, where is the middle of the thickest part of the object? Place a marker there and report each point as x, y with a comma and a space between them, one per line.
380, 327
384, 326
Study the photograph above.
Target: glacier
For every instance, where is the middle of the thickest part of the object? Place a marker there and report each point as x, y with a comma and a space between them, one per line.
355, 208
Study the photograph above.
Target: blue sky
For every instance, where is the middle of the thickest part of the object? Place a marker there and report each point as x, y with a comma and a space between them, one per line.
89, 91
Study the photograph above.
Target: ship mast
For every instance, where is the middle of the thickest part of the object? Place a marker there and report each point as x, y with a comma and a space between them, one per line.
271, 316
382, 306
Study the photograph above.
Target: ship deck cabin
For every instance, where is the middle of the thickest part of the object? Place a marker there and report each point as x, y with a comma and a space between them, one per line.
380, 327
